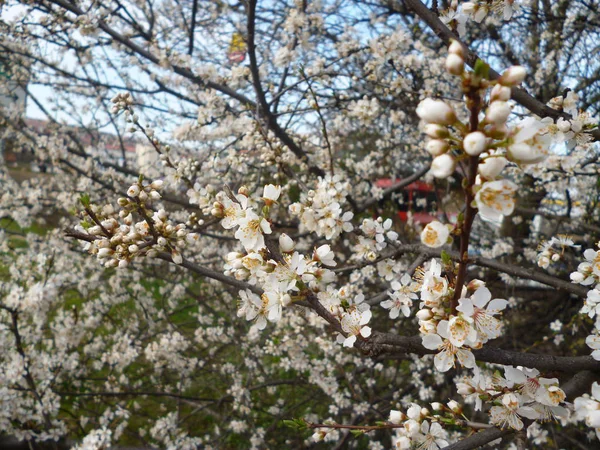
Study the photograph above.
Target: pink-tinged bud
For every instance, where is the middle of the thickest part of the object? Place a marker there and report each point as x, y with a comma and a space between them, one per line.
286, 244
436, 111
475, 284
436, 131
513, 76
492, 167
455, 64
475, 143
456, 48
443, 166
436, 147
500, 93
497, 112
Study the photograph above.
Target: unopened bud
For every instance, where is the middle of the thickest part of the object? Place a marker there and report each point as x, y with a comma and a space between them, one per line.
491, 167
456, 48
500, 93
455, 64
475, 143
424, 314
436, 111
435, 131
443, 166
497, 112
513, 76
286, 244
436, 147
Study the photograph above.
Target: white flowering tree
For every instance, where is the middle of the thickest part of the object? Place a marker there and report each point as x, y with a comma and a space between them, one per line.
249, 282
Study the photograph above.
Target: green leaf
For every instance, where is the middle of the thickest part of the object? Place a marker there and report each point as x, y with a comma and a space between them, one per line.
482, 69
357, 433
85, 200
446, 259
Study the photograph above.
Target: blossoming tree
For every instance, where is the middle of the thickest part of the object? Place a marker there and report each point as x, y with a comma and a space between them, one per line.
253, 285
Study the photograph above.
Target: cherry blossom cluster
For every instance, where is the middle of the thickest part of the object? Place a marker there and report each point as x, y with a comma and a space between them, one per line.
459, 13
587, 408
571, 131
320, 210
376, 234
553, 250
588, 274
520, 393
478, 10
133, 229
455, 334
420, 428
285, 277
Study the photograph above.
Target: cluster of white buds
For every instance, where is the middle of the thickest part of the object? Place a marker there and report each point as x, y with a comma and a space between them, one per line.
492, 142
119, 237
122, 101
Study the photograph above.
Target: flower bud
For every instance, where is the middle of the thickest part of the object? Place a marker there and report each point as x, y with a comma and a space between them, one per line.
436, 147
157, 184
443, 166
133, 191
436, 406
464, 389
396, 417
436, 111
491, 167
457, 49
475, 284
435, 131
513, 76
577, 277
475, 143
501, 93
424, 314
286, 244
455, 64
497, 112
454, 406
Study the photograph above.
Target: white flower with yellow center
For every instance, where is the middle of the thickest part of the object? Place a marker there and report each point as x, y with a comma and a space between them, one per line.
250, 232
527, 145
353, 324
484, 321
496, 199
444, 360
435, 234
